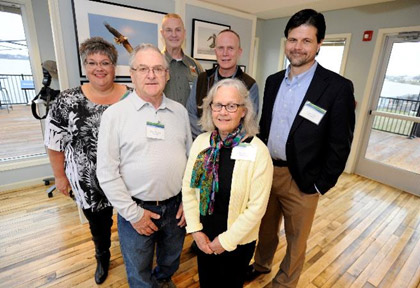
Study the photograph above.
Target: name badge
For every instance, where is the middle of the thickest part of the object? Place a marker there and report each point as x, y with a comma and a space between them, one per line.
312, 112
244, 151
155, 130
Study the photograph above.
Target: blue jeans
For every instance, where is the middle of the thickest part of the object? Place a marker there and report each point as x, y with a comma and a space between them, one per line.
138, 250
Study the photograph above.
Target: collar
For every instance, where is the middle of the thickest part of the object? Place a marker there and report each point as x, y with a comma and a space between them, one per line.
215, 71
169, 57
307, 74
139, 103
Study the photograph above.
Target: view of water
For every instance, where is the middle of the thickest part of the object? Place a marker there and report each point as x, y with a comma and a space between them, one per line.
395, 89
8, 66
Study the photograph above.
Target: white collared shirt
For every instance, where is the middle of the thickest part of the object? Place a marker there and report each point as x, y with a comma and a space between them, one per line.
132, 165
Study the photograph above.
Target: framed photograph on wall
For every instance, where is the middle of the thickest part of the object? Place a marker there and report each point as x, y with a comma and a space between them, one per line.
204, 38
124, 26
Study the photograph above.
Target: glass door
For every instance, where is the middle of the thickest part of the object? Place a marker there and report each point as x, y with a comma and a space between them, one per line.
391, 147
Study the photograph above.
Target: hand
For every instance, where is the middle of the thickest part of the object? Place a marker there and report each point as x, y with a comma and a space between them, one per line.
62, 185
180, 215
145, 225
216, 247
202, 242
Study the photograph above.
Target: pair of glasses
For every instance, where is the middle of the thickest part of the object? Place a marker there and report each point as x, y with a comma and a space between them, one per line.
144, 70
103, 64
231, 107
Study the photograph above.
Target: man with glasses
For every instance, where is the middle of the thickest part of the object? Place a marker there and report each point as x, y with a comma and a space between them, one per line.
183, 70
228, 51
142, 152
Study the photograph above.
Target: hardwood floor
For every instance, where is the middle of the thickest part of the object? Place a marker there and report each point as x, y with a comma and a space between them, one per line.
365, 235
20, 134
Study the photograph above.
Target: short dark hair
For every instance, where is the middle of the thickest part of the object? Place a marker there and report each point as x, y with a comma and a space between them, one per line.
98, 45
307, 17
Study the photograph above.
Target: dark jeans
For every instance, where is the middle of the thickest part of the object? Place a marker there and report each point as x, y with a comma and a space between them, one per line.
138, 250
100, 224
225, 270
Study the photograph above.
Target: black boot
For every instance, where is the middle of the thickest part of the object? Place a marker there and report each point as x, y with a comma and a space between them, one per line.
102, 265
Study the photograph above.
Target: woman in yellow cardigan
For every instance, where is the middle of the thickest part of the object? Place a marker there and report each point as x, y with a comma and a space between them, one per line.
226, 186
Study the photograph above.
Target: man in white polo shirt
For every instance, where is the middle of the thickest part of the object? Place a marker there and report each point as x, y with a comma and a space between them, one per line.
142, 152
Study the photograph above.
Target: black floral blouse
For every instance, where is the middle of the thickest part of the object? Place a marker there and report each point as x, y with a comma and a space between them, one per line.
72, 126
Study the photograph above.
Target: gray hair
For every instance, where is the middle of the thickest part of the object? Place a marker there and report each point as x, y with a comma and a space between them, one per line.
144, 47
98, 45
249, 122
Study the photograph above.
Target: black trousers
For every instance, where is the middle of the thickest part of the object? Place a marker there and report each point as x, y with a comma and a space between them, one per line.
100, 224
225, 270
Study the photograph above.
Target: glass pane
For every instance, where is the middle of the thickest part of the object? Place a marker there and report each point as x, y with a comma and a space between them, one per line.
331, 56
396, 142
20, 133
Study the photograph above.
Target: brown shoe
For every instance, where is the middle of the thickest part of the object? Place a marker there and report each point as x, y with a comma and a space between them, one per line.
252, 273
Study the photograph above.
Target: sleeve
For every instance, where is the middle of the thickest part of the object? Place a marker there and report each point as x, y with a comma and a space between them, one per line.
188, 131
192, 111
339, 137
259, 193
108, 170
255, 98
56, 131
190, 195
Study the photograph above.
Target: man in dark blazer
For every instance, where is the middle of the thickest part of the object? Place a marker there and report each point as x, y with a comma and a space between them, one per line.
307, 123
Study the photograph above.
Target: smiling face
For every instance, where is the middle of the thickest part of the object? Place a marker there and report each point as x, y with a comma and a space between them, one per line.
302, 46
173, 32
99, 70
226, 122
149, 86
227, 53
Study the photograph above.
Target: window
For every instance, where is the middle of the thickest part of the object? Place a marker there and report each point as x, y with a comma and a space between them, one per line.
20, 132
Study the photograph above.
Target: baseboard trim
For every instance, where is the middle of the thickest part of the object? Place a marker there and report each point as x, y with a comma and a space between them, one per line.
23, 184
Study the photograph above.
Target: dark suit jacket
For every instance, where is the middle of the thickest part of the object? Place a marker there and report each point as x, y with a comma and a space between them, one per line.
316, 154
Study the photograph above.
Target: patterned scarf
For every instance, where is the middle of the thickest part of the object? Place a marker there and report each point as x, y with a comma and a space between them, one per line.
205, 173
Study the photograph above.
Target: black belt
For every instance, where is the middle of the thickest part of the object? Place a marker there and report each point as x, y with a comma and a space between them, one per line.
279, 163
157, 202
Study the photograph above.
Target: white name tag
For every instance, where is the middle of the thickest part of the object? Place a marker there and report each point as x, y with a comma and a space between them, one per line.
155, 130
312, 112
244, 151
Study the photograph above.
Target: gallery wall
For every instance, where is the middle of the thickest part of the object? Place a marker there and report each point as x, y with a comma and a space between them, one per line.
32, 172
239, 24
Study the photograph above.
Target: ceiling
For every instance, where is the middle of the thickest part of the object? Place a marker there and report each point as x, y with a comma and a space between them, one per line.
268, 9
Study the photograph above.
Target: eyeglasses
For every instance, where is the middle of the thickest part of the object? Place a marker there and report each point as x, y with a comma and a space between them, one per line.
144, 70
103, 64
231, 107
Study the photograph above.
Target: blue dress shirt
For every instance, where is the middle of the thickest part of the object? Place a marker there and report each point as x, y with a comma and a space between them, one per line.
288, 100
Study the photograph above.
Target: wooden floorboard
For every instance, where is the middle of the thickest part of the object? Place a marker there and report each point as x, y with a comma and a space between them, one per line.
365, 234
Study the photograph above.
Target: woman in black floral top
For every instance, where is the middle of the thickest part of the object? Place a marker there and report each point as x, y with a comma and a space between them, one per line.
71, 136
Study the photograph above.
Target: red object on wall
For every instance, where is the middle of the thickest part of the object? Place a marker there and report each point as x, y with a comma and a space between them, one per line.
367, 35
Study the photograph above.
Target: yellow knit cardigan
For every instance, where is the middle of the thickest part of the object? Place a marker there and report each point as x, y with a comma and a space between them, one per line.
250, 190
